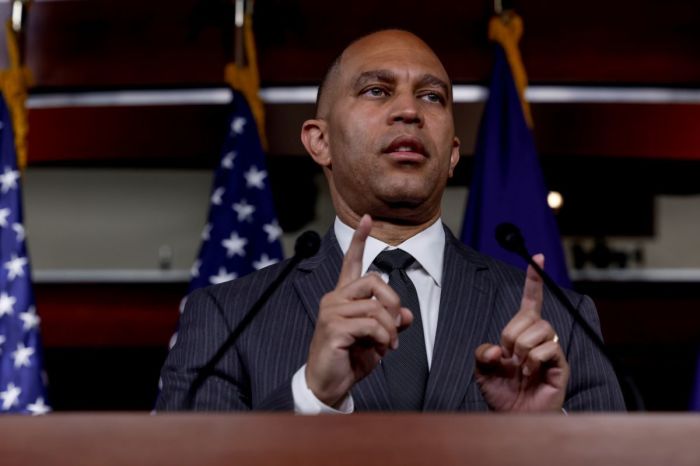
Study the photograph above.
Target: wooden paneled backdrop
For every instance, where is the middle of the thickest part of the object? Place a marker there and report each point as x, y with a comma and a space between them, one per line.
105, 354
117, 44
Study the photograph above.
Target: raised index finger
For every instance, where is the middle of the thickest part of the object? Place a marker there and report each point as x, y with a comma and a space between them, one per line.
532, 292
352, 263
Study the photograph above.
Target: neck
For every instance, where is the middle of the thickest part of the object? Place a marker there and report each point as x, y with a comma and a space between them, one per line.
387, 230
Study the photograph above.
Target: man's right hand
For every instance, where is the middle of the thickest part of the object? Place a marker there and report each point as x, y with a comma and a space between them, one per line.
357, 324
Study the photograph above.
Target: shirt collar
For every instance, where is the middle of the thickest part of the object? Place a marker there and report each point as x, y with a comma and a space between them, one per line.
427, 247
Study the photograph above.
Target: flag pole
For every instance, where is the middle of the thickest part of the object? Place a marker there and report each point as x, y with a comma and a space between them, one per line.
239, 22
498, 6
242, 74
15, 80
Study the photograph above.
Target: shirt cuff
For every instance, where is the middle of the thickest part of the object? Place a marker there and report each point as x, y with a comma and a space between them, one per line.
305, 402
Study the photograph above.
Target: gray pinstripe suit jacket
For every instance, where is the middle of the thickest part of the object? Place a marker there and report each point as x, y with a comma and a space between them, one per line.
479, 296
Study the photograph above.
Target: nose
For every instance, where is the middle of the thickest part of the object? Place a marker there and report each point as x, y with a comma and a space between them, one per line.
406, 109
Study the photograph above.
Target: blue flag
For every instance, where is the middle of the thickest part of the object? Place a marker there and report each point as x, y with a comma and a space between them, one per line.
22, 388
507, 185
242, 233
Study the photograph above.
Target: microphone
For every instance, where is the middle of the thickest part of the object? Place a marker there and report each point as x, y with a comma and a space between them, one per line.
511, 239
306, 245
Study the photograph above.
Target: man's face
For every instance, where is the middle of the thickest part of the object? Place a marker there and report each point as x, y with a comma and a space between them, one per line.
389, 129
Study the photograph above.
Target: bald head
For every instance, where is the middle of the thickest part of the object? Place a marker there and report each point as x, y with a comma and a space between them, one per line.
384, 131
382, 42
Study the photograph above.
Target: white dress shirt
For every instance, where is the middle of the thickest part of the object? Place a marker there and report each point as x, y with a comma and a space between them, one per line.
428, 248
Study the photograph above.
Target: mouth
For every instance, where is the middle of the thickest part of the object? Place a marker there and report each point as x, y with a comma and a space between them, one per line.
406, 149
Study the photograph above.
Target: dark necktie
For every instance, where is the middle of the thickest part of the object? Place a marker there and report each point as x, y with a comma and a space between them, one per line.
406, 368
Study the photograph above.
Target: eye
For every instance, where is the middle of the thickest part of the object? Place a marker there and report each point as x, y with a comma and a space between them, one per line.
433, 97
375, 92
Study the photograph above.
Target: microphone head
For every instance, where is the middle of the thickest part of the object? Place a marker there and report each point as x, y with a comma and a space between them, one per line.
307, 244
510, 238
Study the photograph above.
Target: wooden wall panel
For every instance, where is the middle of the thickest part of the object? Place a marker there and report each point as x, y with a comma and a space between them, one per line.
134, 43
124, 43
99, 44
108, 315
191, 135
165, 136
669, 131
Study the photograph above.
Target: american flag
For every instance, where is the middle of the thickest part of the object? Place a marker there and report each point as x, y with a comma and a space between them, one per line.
242, 233
22, 388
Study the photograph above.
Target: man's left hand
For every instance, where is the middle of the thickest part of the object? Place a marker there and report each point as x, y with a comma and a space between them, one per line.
528, 370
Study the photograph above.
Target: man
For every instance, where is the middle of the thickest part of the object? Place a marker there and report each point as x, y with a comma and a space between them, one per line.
393, 312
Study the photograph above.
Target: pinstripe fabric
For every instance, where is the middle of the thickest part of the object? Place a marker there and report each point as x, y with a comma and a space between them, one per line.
479, 296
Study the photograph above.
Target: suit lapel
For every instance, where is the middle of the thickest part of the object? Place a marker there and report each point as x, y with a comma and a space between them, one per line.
319, 275
466, 302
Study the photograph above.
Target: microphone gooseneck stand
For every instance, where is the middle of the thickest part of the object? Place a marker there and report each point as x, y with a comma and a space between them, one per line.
307, 245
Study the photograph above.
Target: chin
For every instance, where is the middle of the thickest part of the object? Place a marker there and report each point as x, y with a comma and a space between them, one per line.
406, 194
402, 214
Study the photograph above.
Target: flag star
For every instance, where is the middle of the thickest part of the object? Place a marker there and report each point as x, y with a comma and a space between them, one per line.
254, 178
8, 180
30, 319
194, 271
15, 267
237, 125
244, 210
19, 230
234, 245
216, 196
38, 408
10, 397
222, 276
7, 304
227, 160
4, 213
206, 232
264, 261
273, 231
2, 342
21, 355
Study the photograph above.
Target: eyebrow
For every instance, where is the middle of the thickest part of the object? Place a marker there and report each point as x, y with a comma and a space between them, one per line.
387, 76
432, 80
367, 77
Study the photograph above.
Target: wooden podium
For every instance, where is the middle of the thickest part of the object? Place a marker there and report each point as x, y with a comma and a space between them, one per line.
363, 439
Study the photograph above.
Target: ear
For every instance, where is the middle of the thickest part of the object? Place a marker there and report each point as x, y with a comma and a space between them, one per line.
454, 156
314, 136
